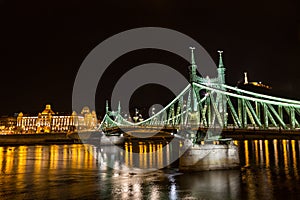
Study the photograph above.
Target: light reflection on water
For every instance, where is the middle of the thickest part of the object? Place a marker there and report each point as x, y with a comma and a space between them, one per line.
269, 169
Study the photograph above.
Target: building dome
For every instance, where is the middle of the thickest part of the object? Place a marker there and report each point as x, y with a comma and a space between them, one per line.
85, 110
48, 110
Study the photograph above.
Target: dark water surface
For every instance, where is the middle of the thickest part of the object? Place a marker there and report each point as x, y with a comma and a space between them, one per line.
269, 170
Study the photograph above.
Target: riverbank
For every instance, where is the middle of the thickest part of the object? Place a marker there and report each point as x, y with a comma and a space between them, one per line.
48, 138
257, 134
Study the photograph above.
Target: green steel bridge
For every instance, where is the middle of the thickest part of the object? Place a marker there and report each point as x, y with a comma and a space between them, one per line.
208, 104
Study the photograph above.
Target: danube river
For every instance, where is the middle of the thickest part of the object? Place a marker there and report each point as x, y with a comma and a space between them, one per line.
269, 170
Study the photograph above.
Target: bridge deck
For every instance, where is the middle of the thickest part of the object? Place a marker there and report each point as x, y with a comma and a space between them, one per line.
144, 133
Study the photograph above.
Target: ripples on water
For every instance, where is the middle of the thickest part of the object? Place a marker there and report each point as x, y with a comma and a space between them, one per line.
269, 170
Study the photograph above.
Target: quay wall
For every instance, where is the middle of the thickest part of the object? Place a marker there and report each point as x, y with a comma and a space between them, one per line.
32, 139
248, 134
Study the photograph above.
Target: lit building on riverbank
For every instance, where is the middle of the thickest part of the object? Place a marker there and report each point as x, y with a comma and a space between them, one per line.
50, 122
7, 124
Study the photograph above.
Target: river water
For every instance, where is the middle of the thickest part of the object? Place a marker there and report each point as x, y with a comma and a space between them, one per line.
269, 170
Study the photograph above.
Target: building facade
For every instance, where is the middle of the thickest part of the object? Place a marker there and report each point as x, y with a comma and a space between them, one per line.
7, 124
50, 122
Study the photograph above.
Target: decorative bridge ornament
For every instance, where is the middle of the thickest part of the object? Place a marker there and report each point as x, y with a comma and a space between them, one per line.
209, 104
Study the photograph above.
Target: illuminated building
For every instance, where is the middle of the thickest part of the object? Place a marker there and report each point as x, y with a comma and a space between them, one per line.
7, 124
256, 84
48, 121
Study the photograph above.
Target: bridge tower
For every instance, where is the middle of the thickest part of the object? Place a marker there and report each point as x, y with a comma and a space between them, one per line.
193, 68
222, 98
106, 107
221, 69
193, 99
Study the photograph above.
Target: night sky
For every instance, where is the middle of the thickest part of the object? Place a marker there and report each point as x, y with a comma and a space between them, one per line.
43, 44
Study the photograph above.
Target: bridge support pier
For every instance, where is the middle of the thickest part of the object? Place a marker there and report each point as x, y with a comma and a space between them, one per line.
205, 157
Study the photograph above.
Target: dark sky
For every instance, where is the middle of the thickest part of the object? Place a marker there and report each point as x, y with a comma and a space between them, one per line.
43, 43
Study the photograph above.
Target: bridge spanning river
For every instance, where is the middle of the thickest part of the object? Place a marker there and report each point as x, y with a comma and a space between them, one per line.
209, 104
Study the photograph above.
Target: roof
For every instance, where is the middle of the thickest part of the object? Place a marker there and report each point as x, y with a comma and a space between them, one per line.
48, 110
